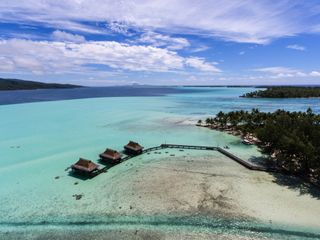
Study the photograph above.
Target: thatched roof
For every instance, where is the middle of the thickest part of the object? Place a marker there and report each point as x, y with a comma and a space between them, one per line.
111, 154
134, 146
85, 165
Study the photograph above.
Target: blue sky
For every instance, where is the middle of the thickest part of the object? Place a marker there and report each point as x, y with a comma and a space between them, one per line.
161, 42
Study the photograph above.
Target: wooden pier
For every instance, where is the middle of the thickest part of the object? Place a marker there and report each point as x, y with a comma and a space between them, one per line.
244, 163
194, 147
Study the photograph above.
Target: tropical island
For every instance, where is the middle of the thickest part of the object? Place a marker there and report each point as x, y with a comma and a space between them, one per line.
17, 84
290, 139
285, 92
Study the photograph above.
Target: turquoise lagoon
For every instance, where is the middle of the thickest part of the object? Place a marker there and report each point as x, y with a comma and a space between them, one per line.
39, 140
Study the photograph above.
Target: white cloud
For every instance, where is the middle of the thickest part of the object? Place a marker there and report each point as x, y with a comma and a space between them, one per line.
276, 70
118, 27
6, 65
56, 57
242, 53
160, 40
284, 72
241, 21
296, 47
199, 63
315, 74
315, 28
200, 49
67, 37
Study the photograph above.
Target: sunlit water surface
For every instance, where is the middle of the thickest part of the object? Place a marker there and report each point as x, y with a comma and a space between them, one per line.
39, 140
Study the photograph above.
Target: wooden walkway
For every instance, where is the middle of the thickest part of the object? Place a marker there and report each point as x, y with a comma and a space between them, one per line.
194, 147
244, 163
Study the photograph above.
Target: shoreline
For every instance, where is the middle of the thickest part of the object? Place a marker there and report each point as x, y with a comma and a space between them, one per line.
250, 139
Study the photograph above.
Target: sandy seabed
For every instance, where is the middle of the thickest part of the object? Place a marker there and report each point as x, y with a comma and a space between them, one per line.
191, 195
209, 196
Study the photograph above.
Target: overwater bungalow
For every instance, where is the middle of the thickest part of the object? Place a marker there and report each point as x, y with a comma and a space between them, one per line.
110, 155
133, 148
84, 166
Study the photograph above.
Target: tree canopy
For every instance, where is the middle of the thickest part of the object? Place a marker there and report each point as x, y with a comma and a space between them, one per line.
292, 138
285, 92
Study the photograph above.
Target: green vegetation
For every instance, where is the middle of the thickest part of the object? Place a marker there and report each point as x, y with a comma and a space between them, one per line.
291, 139
285, 92
16, 84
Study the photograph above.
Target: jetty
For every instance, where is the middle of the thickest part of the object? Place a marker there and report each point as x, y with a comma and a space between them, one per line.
244, 163
194, 147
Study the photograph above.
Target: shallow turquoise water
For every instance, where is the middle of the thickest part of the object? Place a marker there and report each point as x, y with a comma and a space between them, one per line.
38, 141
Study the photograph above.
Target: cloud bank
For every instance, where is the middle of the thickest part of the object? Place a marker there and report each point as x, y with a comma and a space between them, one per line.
284, 72
240, 21
69, 56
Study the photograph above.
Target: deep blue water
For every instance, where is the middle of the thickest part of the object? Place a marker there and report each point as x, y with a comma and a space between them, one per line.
24, 96
190, 100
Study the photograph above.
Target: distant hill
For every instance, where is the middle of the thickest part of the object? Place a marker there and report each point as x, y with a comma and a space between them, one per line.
17, 84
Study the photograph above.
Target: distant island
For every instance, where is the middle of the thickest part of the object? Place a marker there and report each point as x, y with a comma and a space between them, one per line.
285, 92
17, 84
